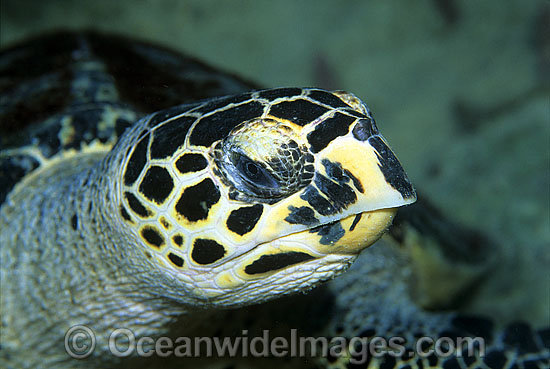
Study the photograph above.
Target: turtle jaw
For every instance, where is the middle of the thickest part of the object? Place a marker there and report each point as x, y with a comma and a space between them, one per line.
229, 291
300, 277
294, 263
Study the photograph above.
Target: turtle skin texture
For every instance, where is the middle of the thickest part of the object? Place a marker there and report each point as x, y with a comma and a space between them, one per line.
142, 189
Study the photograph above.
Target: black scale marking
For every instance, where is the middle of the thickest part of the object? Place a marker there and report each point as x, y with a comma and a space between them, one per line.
318, 202
157, 184
136, 205
125, 214
74, 222
152, 236
356, 182
326, 131
355, 222
207, 251
279, 92
337, 173
175, 259
268, 263
391, 168
301, 215
191, 163
196, 201
168, 138
178, 240
340, 194
137, 162
327, 98
330, 233
364, 129
334, 171
243, 220
218, 125
299, 111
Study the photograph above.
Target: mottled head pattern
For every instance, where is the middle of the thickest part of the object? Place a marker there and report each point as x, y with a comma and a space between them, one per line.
258, 194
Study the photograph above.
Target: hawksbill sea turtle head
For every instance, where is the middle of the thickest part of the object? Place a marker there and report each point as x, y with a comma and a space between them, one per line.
244, 198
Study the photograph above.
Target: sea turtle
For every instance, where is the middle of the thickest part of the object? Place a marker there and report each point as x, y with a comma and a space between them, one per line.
220, 202
143, 190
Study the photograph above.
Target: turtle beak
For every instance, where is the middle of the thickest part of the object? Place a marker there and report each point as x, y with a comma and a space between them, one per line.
367, 167
393, 186
399, 188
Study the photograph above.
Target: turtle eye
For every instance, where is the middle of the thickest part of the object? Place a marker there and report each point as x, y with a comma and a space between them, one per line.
254, 173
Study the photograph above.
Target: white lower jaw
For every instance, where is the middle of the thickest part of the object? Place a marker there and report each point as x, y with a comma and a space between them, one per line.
296, 278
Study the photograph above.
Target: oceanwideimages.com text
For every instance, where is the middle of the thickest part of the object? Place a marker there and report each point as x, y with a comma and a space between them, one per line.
80, 342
